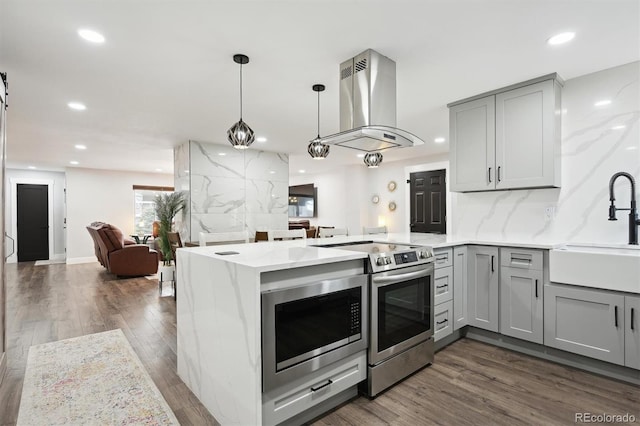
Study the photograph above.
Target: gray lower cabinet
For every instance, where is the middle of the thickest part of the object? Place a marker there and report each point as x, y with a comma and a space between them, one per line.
443, 324
483, 285
443, 285
460, 271
521, 300
585, 321
632, 331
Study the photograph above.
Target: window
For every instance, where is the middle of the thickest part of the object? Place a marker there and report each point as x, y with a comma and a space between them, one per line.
144, 207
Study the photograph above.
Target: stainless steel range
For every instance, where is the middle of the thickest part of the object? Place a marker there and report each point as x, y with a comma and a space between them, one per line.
400, 311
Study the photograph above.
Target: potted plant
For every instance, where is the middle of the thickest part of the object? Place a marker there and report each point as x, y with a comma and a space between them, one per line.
167, 206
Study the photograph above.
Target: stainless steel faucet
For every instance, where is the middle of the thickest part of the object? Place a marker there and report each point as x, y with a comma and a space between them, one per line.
634, 222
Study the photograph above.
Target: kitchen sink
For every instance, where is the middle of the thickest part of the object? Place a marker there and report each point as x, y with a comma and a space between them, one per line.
611, 267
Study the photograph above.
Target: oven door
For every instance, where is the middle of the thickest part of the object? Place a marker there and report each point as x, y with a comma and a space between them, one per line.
307, 327
401, 310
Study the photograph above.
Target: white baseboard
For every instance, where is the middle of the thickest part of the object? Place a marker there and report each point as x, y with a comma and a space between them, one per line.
58, 256
76, 260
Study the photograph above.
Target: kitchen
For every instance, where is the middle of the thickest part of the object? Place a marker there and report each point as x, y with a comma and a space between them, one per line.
440, 61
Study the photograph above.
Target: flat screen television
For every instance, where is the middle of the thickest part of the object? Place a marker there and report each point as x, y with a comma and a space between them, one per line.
303, 201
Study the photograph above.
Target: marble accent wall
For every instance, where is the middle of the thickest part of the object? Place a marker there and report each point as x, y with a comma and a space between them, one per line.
232, 190
181, 165
597, 141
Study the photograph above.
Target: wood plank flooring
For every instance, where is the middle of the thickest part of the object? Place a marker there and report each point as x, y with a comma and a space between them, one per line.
470, 383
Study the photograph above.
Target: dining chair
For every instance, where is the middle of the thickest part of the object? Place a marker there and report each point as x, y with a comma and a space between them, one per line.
217, 238
330, 232
288, 234
374, 230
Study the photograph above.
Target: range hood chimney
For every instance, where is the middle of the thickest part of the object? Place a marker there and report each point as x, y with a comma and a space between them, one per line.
368, 106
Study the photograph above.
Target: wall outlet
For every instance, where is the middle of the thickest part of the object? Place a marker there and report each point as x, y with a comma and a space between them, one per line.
549, 213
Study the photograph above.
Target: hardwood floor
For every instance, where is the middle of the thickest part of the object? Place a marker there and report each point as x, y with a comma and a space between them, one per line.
470, 383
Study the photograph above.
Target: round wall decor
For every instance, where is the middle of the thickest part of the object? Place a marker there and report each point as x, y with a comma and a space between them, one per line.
392, 186
392, 206
375, 199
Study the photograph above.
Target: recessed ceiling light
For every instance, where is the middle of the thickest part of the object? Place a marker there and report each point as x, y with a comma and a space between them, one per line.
31, 167
81, 147
77, 106
272, 172
632, 148
360, 155
619, 127
603, 102
90, 35
222, 154
439, 140
75, 163
561, 38
261, 139
301, 171
158, 170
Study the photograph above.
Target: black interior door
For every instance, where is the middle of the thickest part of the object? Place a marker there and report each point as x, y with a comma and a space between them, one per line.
428, 193
33, 222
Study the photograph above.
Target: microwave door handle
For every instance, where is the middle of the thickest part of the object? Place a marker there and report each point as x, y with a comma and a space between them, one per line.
392, 279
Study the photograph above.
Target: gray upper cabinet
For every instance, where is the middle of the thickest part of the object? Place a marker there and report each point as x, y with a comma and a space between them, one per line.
472, 145
483, 296
585, 321
508, 138
632, 331
521, 300
460, 272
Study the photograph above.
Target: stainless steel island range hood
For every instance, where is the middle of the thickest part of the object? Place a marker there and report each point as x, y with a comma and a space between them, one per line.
368, 106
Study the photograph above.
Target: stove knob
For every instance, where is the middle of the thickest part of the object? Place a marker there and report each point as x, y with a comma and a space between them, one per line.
381, 261
424, 254
387, 260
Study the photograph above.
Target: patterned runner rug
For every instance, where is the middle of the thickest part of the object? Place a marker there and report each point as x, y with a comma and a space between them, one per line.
90, 380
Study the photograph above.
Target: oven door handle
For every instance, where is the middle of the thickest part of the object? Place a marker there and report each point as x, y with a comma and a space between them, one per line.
392, 279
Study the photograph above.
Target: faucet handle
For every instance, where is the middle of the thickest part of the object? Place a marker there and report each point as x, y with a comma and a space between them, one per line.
612, 212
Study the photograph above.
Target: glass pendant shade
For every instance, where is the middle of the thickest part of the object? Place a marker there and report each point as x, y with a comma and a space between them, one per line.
240, 135
316, 149
373, 159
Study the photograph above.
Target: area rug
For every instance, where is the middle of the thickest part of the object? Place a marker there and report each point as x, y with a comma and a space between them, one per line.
90, 380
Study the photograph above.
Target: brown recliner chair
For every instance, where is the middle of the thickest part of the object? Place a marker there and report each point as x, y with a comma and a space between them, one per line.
118, 257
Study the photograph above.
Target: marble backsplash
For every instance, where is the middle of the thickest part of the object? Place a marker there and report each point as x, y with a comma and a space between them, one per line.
597, 141
232, 190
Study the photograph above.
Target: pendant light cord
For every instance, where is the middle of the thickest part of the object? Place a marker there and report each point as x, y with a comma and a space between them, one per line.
318, 115
240, 91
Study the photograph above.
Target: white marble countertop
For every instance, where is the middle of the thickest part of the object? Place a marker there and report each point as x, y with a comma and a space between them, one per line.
278, 255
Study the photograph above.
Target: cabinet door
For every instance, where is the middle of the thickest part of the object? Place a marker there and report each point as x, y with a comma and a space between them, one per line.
632, 331
460, 270
472, 145
526, 137
521, 303
443, 285
442, 326
584, 321
483, 287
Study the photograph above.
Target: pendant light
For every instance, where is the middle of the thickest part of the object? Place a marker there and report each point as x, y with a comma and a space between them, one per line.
318, 150
240, 134
373, 159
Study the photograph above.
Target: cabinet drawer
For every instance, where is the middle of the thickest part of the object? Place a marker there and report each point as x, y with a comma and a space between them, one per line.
338, 377
521, 258
443, 285
443, 257
443, 320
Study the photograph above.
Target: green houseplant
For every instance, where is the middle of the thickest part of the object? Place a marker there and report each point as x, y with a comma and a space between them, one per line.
167, 207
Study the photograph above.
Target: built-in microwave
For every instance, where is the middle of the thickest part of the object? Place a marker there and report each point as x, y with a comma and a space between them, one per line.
307, 327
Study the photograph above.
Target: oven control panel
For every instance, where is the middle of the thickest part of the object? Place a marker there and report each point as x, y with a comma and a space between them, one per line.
387, 261
405, 257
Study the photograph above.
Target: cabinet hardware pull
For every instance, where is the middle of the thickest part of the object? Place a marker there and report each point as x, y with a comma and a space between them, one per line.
615, 311
442, 322
317, 388
442, 286
441, 258
492, 270
536, 289
520, 259
632, 310
489, 174
499, 173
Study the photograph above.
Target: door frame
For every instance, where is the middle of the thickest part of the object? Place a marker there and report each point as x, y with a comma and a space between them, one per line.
14, 212
428, 167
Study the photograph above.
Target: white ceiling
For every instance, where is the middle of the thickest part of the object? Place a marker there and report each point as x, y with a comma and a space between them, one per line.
165, 73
